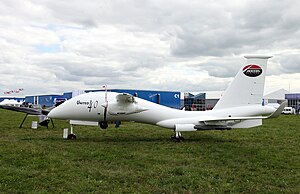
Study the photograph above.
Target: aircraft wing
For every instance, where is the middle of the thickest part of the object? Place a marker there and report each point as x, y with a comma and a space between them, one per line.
125, 104
27, 110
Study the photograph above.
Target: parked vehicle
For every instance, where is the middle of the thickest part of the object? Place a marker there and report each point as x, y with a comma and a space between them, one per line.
288, 110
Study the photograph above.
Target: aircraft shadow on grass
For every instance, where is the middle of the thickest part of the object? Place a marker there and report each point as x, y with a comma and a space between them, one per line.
207, 139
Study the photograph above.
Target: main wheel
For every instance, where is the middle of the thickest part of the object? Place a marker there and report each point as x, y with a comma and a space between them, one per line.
176, 139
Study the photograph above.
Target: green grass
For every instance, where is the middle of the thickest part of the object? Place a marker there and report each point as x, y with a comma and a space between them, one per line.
139, 158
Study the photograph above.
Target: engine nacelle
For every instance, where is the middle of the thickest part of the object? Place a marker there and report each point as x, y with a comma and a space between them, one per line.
116, 108
185, 127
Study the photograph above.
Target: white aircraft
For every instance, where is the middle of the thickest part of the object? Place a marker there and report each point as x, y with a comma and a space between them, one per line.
239, 107
9, 102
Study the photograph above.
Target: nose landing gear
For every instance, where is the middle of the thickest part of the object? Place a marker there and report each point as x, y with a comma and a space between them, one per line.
103, 124
71, 135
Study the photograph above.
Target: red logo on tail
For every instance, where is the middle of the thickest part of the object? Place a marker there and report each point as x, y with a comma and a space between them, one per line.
252, 70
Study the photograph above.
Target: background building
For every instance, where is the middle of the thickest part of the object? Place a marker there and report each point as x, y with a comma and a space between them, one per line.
44, 100
294, 101
275, 97
194, 102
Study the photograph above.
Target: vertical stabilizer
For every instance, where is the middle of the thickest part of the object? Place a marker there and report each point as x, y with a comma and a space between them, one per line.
248, 85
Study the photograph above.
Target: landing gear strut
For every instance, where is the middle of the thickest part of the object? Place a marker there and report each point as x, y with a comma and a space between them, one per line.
103, 124
71, 135
177, 137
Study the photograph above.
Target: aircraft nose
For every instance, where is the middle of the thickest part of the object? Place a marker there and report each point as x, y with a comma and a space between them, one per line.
54, 113
60, 112
64, 111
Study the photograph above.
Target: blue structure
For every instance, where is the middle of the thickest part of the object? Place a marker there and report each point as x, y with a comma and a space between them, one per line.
30, 99
165, 98
43, 100
170, 99
294, 101
67, 95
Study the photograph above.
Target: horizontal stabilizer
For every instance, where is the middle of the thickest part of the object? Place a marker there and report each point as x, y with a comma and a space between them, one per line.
279, 110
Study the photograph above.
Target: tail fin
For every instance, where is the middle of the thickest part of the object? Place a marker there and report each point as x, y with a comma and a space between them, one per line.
248, 85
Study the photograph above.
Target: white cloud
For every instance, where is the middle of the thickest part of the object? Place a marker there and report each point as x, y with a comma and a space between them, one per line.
50, 47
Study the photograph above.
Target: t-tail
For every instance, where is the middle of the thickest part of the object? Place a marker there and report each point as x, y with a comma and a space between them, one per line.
247, 88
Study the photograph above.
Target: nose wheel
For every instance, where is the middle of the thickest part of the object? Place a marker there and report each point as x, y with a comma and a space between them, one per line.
71, 136
103, 124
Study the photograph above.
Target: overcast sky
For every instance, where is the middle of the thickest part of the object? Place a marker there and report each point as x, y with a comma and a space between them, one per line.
50, 47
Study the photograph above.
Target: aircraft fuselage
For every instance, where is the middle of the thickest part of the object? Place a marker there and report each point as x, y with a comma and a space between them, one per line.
91, 107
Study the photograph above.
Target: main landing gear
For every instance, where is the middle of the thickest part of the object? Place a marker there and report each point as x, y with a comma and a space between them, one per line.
177, 137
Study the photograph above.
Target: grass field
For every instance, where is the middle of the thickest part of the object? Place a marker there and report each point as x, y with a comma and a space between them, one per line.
138, 158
